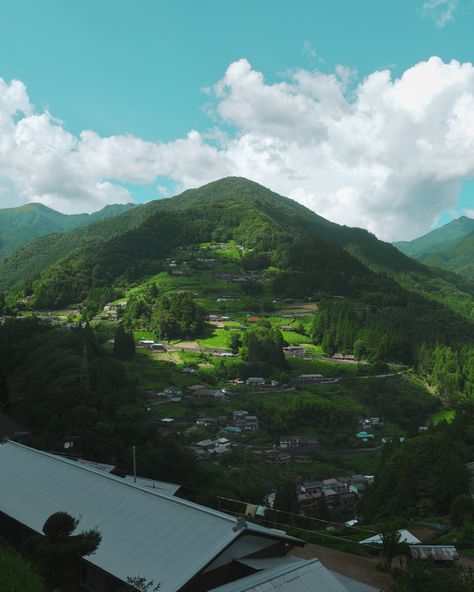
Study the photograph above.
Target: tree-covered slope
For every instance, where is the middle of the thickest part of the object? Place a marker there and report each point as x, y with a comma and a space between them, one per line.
312, 254
19, 226
450, 247
438, 239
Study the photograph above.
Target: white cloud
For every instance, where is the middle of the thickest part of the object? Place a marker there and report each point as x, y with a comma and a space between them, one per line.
440, 11
388, 154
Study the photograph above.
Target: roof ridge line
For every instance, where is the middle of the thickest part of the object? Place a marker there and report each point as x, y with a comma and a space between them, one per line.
119, 480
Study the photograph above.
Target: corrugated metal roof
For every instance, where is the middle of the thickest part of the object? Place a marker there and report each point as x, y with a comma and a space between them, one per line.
436, 552
301, 576
144, 532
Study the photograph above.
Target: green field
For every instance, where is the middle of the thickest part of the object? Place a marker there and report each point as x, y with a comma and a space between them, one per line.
443, 415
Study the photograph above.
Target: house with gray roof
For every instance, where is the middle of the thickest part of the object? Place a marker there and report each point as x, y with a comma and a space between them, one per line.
181, 545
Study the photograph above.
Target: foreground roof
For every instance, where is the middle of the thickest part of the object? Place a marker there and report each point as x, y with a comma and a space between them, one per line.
299, 576
144, 532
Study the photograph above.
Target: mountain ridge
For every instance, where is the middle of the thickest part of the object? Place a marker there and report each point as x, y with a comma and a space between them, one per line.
67, 267
450, 247
21, 224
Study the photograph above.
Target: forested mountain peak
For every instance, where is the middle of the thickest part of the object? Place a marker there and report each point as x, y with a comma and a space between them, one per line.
450, 247
279, 231
438, 239
22, 224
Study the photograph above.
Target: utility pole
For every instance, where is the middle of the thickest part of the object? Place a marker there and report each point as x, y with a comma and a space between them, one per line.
134, 464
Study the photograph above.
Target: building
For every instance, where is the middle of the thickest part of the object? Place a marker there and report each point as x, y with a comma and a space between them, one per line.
182, 546
255, 381
309, 379
439, 554
405, 537
244, 421
298, 442
294, 350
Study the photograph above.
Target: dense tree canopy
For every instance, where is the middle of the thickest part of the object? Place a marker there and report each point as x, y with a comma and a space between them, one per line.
178, 315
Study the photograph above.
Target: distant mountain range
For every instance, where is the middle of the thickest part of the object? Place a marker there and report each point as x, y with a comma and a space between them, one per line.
19, 226
450, 247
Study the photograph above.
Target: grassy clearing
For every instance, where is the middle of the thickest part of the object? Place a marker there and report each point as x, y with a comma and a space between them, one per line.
443, 415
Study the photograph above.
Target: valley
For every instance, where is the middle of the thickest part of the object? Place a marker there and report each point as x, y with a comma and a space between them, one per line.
247, 364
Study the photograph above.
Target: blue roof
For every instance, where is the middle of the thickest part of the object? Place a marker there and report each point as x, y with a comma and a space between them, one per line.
159, 537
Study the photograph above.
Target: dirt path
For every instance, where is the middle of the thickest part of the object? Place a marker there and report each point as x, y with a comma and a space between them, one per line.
358, 568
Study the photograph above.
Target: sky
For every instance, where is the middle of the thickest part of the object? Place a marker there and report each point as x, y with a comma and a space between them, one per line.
362, 111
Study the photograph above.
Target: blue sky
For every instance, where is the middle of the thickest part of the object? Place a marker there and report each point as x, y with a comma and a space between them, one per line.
139, 67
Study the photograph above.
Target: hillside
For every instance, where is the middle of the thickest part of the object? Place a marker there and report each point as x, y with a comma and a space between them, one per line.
311, 254
19, 226
450, 247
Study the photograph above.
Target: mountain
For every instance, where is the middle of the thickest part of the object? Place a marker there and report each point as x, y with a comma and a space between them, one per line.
313, 254
19, 226
450, 247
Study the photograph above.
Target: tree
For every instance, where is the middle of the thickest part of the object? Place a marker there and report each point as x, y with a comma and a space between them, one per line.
424, 577
58, 548
178, 316
390, 543
124, 344
462, 510
285, 499
4, 396
17, 574
235, 342
264, 344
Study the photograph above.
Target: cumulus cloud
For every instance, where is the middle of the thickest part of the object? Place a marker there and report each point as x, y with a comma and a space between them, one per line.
389, 155
440, 11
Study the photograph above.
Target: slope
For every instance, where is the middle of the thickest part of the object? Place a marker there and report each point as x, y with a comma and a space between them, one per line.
19, 226
438, 240
321, 255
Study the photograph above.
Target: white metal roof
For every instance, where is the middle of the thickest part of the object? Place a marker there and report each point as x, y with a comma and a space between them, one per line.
405, 537
144, 532
300, 576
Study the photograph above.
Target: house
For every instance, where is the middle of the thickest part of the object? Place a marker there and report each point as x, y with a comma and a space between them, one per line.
294, 351
277, 458
182, 546
157, 347
205, 444
206, 421
232, 430
220, 450
343, 357
365, 436
146, 343
440, 554
405, 537
244, 421
312, 486
255, 381
298, 442
251, 423
167, 421
309, 378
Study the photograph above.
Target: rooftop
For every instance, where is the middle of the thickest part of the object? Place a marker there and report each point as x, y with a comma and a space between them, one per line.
160, 537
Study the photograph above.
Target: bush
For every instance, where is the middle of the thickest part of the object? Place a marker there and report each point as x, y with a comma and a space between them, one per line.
17, 574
